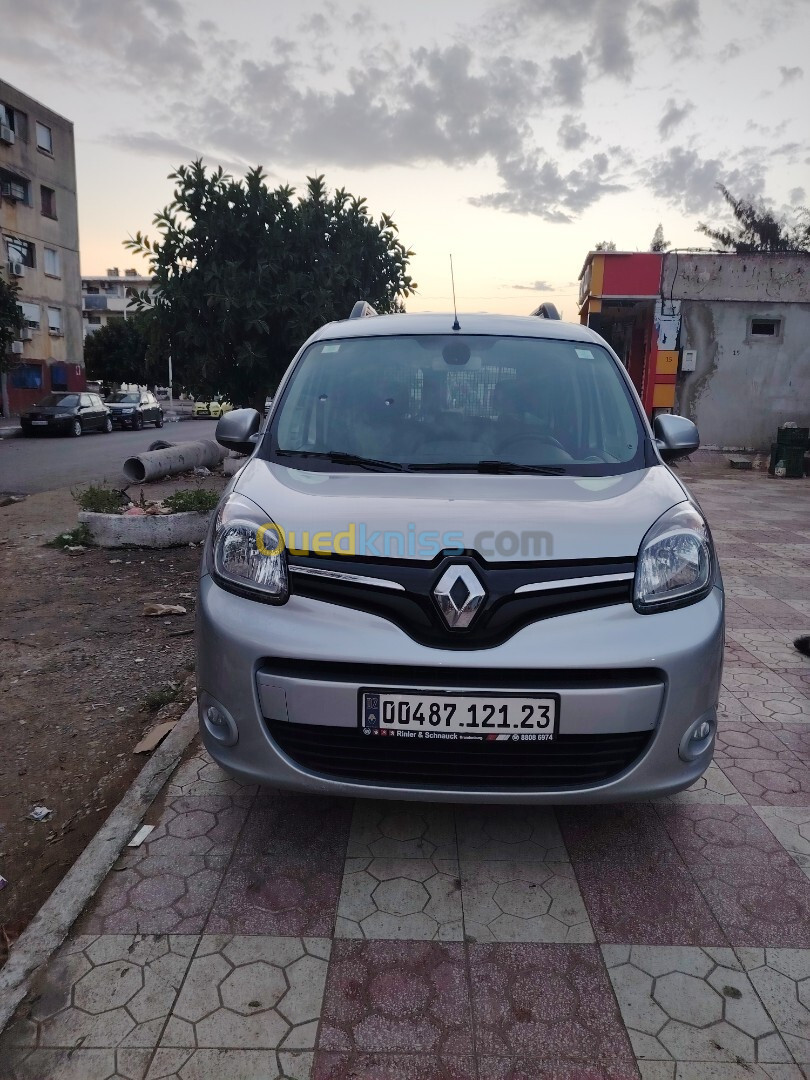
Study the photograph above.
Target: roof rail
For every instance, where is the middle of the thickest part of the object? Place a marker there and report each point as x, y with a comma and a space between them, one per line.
547, 311
362, 310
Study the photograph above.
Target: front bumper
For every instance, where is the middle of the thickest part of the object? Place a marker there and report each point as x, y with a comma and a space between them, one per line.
615, 670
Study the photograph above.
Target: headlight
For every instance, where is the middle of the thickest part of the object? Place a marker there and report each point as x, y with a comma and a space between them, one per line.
127, 411
248, 552
675, 561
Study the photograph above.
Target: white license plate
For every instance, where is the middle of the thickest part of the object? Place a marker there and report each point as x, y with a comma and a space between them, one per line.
480, 717
39, 423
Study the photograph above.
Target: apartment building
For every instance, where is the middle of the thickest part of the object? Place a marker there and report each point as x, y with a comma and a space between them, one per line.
39, 248
107, 298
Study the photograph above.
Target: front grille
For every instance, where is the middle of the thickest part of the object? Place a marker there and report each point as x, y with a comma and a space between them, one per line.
570, 761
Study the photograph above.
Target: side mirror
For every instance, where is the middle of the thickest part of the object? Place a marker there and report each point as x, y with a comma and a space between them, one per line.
237, 430
675, 436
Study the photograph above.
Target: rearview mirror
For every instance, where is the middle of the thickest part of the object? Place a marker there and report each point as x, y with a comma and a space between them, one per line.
675, 436
237, 430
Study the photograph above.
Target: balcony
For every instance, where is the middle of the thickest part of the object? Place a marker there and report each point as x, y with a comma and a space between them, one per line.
116, 305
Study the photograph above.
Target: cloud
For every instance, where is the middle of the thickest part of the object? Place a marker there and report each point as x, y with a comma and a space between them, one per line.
685, 180
674, 115
797, 196
791, 74
572, 134
610, 44
730, 52
536, 286
568, 78
678, 20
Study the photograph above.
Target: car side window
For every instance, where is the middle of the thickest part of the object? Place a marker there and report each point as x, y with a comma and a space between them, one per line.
85, 401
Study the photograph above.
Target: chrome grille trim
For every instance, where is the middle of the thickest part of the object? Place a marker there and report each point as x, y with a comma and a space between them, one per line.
352, 579
572, 583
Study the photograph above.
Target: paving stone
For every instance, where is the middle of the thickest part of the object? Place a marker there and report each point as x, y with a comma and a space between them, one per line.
781, 977
774, 648
75, 1064
250, 993
509, 832
713, 787
593, 832
391, 830
176, 1064
754, 889
763, 768
501, 1068
547, 1002
691, 1004
397, 996
312, 825
412, 899
168, 884
702, 1070
729, 707
333, 1065
523, 901
767, 695
791, 827
107, 992
200, 775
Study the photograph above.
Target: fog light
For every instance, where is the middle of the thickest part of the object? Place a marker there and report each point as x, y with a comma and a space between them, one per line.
698, 737
217, 721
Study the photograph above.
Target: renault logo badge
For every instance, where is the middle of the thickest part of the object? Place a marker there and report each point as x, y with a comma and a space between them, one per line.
459, 594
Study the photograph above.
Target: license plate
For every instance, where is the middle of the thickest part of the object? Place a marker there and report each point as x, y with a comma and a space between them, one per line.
479, 717
38, 423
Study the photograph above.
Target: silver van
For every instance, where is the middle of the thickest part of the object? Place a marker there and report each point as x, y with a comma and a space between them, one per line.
456, 566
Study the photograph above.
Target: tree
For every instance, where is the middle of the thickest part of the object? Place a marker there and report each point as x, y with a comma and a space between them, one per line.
757, 229
605, 245
658, 243
11, 322
243, 274
123, 351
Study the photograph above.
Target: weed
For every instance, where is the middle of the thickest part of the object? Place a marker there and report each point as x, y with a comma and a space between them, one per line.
203, 500
78, 536
156, 699
99, 500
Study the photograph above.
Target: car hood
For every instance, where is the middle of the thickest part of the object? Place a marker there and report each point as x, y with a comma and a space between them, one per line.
50, 410
553, 517
117, 405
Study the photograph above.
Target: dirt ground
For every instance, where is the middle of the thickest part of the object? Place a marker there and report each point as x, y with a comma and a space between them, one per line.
83, 674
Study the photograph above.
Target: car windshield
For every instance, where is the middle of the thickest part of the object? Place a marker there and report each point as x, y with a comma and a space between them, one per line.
66, 401
130, 399
462, 403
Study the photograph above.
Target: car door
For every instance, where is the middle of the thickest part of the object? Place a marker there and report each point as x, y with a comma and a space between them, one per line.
99, 412
86, 416
146, 408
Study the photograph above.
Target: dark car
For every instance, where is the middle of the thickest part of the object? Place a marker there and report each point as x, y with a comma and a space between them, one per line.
67, 414
134, 408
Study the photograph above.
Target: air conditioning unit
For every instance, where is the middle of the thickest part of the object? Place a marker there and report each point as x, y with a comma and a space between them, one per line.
6, 134
55, 333
26, 334
17, 348
16, 269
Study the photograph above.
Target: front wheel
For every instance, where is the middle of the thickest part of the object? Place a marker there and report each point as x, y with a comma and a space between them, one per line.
137, 422
159, 421
76, 429
107, 425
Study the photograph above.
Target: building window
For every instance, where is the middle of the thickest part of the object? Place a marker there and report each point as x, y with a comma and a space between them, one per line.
94, 320
20, 251
48, 197
765, 328
44, 138
30, 314
52, 262
14, 187
59, 377
55, 321
27, 377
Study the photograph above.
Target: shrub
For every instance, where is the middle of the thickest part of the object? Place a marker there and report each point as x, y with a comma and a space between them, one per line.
100, 500
203, 500
76, 537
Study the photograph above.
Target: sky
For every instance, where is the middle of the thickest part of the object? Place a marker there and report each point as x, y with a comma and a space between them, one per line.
514, 134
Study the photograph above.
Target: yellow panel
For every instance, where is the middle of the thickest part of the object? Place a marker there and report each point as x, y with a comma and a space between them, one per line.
597, 275
664, 396
667, 362
594, 306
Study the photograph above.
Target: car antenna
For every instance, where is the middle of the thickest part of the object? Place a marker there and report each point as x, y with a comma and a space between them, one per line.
453, 283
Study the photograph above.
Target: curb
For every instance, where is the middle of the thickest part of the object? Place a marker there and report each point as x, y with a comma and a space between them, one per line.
51, 924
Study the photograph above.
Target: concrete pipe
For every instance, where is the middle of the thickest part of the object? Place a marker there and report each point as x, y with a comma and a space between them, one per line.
171, 460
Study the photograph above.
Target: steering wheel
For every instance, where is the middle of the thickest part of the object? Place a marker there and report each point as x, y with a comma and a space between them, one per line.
515, 440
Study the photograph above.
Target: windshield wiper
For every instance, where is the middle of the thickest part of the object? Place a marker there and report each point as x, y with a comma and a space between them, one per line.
487, 466
339, 457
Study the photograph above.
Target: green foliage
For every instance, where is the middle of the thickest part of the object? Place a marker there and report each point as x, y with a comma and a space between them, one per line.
243, 274
11, 321
757, 229
605, 245
203, 500
125, 350
99, 500
78, 536
156, 699
658, 243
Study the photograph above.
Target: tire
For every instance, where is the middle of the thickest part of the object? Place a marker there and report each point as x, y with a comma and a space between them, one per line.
137, 422
107, 426
159, 421
76, 429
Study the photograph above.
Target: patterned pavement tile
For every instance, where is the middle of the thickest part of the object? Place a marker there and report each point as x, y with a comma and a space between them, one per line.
739, 586
774, 648
737, 657
500, 1068
333, 1065
176, 1064
797, 677
169, 883
273, 886
411, 899
200, 775
691, 1004
314, 825
713, 787
391, 830
795, 737
73, 1064
397, 997
754, 889
701, 1070
250, 993
547, 1002
758, 762
592, 832
781, 977
729, 707
523, 901
791, 827
107, 992
509, 832
767, 695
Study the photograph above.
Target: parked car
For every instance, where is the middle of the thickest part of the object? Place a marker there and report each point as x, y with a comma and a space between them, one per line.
67, 414
457, 567
213, 409
134, 408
